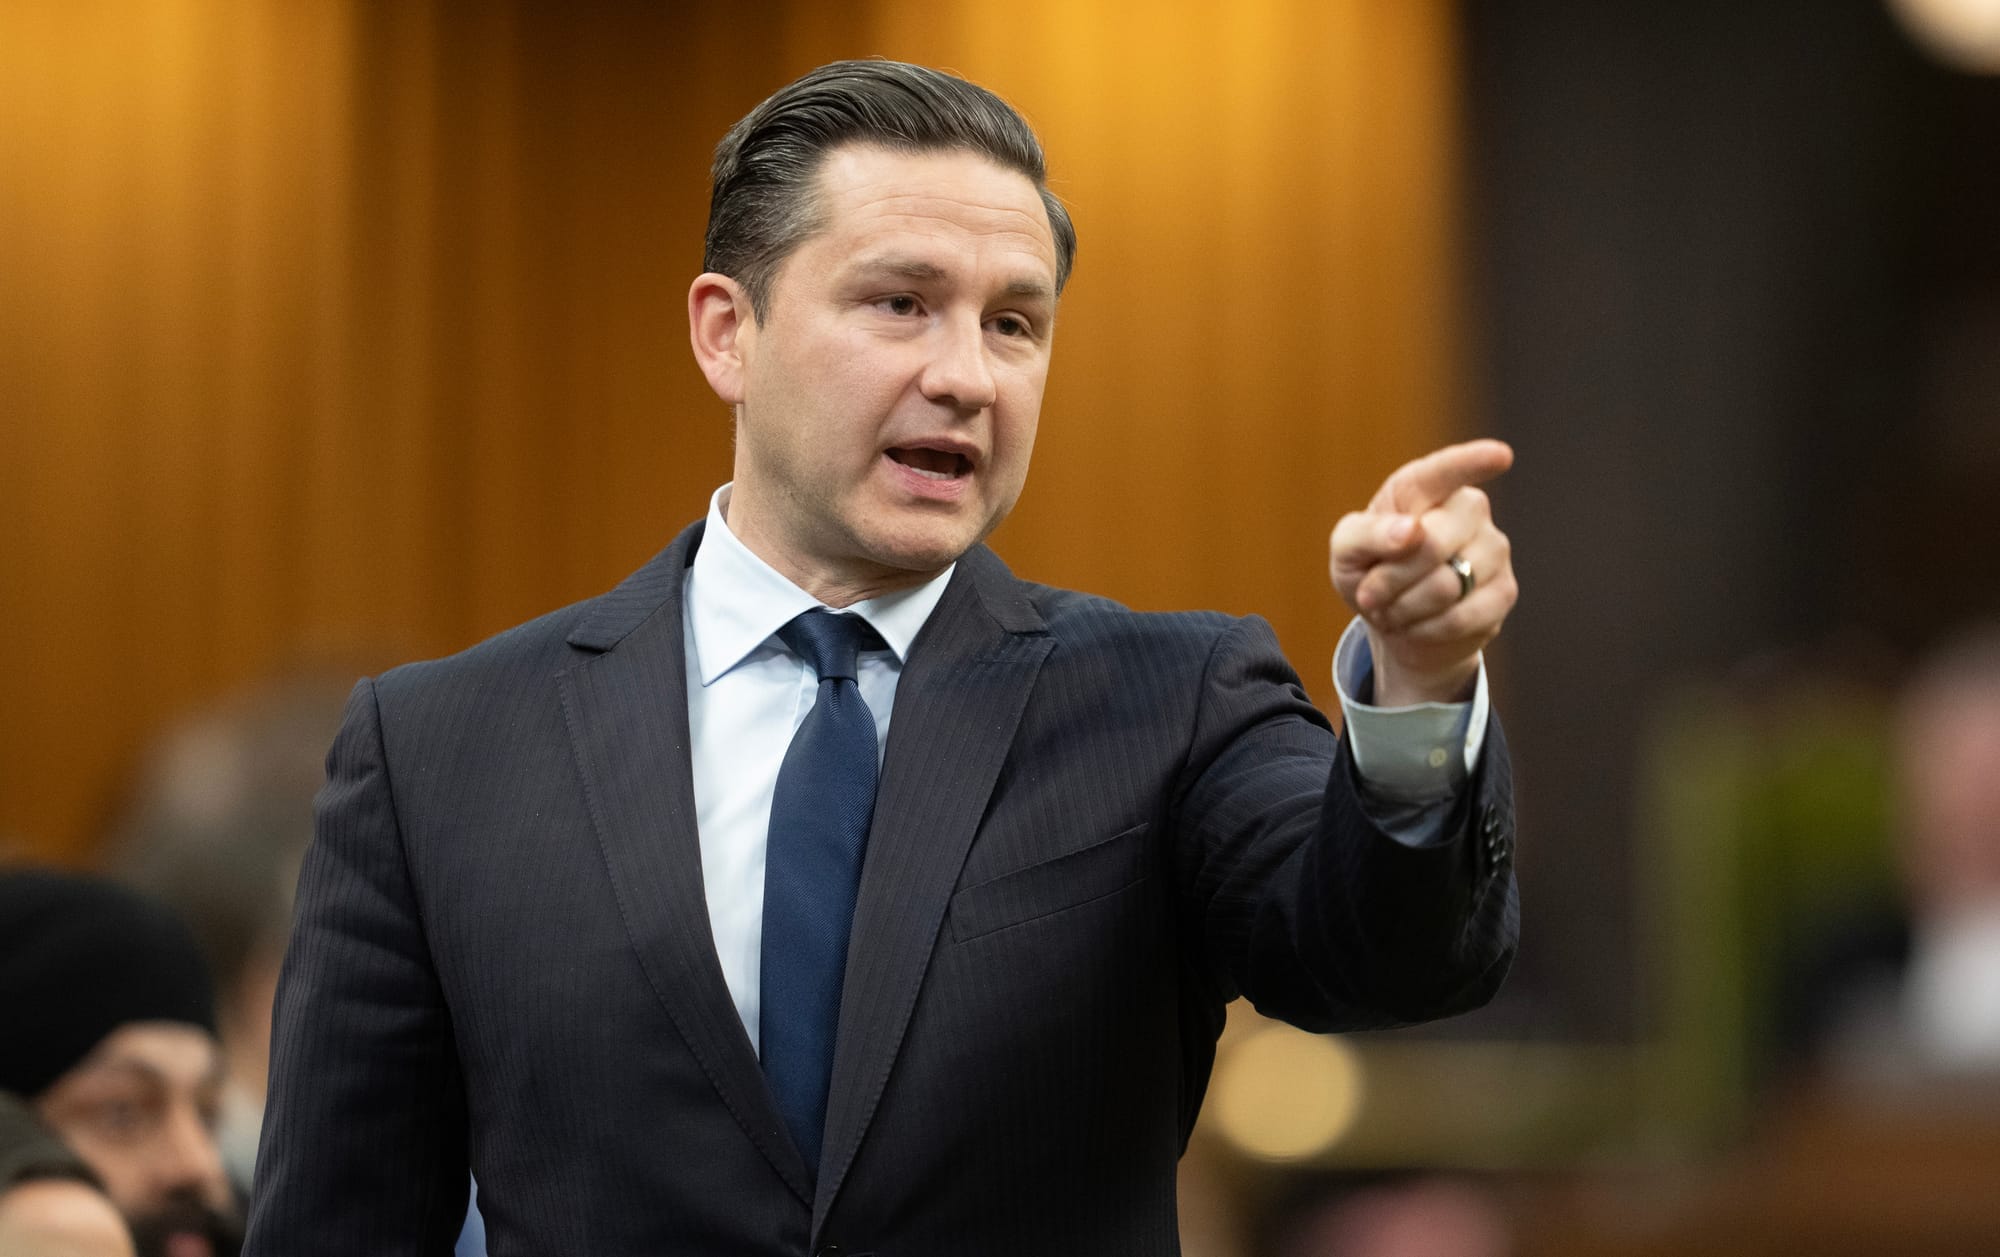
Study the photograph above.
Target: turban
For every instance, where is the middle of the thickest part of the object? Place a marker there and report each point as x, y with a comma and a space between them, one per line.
80, 957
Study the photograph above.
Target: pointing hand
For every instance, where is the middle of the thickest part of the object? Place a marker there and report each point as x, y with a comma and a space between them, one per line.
1427, 569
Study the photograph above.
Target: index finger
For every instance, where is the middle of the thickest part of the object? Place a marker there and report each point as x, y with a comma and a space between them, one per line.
1418, 486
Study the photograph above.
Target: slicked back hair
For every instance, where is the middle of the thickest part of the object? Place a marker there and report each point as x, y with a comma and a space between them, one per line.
764, 202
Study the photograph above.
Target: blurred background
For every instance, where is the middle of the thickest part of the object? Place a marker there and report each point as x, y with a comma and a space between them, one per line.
340, 332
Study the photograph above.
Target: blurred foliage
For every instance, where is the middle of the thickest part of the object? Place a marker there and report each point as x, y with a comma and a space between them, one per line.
1769, 817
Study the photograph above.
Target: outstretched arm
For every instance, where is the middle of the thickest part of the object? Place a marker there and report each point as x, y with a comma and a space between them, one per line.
1351, 896
1308, 903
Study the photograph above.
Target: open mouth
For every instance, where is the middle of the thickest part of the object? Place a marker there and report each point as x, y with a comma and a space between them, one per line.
932, 464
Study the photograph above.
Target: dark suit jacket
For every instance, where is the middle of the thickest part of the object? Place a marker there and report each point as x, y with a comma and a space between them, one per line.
1094, 828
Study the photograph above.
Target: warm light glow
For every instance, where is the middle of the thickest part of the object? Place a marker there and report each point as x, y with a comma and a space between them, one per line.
1965, 33
335, 324
1283, 1095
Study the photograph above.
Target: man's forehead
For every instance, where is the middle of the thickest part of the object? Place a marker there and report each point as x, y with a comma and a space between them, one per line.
868, 189
173, 1051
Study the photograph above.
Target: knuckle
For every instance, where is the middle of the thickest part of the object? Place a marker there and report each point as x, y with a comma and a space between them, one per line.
1465, 502
1352, 532
1434, 631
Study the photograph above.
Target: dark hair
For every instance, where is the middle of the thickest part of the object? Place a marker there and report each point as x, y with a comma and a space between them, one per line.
764, 199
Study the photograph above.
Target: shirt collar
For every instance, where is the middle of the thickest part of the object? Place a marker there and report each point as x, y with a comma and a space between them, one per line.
736, 601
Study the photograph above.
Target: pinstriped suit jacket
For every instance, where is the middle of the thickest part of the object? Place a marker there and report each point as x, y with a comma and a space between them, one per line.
1094, 828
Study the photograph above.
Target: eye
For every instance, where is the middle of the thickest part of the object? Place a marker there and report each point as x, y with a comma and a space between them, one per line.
120, 1118
902, 304
1008, 325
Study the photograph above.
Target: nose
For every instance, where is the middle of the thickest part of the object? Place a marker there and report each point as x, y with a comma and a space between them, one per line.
188, 1160
958, 373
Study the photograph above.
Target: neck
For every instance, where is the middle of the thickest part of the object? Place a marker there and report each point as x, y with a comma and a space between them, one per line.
838, 590
833, 585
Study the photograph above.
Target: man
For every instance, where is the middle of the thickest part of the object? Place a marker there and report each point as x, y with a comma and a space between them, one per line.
1911, 989
111, 1041
617, 907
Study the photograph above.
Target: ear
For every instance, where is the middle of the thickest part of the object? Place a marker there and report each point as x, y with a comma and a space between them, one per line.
721, 327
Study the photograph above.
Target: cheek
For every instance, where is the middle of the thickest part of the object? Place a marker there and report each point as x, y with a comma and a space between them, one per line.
1020, 447
1015, 434
120, 1164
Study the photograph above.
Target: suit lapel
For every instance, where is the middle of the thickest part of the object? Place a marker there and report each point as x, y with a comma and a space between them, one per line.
626, 711
958, 704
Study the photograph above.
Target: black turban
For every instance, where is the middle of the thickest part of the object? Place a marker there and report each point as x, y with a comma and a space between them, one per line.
80, 957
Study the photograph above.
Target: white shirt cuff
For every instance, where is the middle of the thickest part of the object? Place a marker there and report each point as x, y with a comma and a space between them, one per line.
1421, 754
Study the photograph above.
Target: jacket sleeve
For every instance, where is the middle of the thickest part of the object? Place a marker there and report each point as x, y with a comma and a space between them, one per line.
1303, 902
364, 1142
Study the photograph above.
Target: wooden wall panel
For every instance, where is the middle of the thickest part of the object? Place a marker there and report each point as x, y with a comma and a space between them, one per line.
353, 329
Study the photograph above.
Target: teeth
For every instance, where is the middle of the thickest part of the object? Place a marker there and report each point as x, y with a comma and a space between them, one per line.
927, 473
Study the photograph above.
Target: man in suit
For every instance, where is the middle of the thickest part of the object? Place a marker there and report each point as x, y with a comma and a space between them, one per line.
569, 909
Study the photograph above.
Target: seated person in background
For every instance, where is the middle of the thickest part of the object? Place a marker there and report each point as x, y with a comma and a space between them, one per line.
1917, 992
213, 825
111, 1042
1948, 757
50, 1203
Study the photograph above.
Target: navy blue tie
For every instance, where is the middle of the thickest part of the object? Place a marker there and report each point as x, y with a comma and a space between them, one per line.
819, 823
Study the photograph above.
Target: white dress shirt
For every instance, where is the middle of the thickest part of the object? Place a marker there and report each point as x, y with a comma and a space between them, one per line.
747, 695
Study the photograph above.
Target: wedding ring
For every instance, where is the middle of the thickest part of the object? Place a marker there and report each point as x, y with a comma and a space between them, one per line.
1466, 580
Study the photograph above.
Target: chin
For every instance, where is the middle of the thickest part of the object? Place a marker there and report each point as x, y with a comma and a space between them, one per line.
921, 548
186, 1223
925, 561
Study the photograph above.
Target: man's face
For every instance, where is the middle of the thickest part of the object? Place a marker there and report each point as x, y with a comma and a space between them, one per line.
140, 1110
1950, 766
889, 396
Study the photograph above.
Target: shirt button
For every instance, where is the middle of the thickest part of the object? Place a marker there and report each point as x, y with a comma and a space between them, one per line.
1437, 757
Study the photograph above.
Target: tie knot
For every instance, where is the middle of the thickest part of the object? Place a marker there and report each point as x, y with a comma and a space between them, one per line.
829, 642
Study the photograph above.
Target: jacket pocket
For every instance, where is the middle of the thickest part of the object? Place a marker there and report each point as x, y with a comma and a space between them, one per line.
1041, 890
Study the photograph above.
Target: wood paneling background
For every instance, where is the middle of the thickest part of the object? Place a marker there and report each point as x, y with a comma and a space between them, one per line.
343, 330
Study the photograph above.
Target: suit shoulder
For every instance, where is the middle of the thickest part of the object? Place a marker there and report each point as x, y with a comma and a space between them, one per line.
1073, 616
1181, 650
514, 658
536, 647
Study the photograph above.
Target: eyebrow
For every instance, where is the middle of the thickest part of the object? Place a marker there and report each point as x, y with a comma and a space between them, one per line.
130, 1070
146, 1071
921, 272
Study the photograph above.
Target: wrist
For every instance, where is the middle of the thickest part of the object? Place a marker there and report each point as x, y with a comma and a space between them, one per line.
1397, 685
